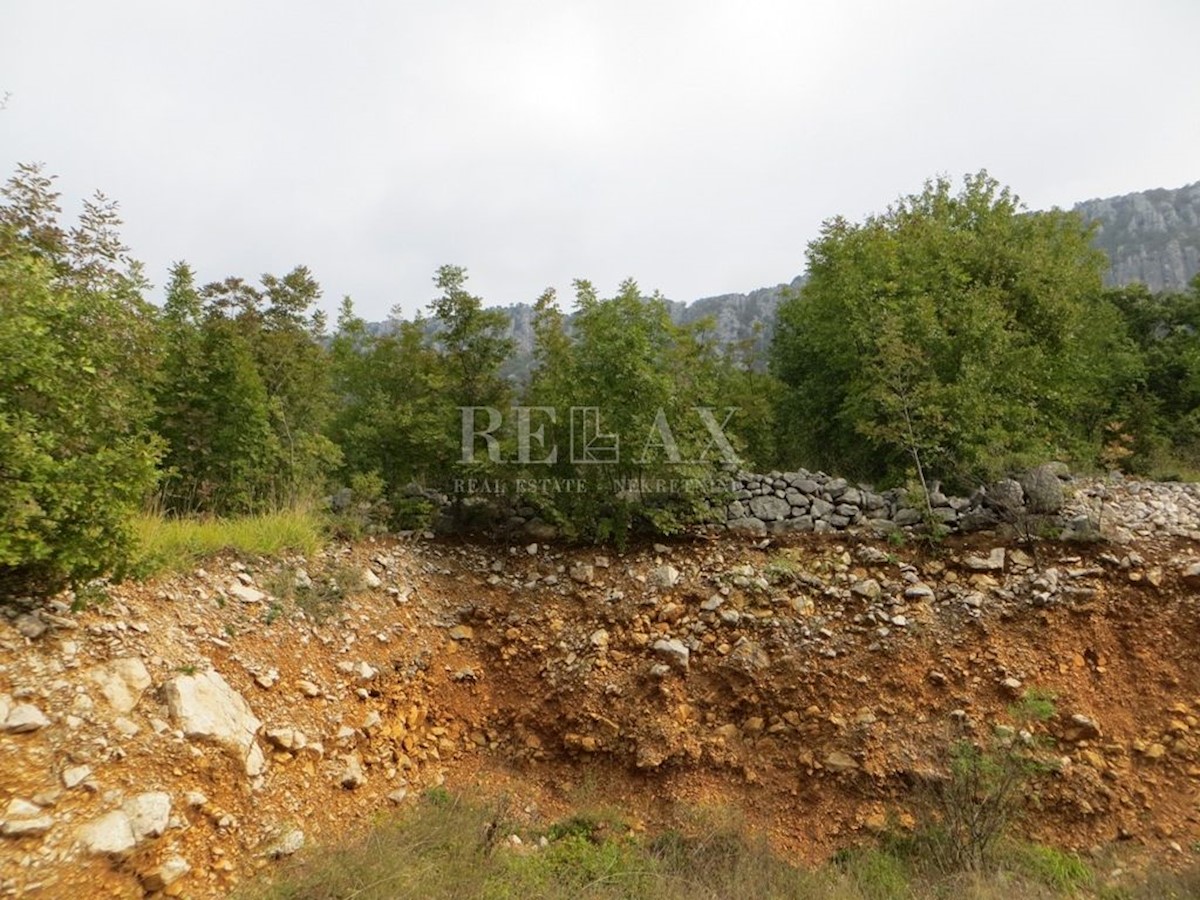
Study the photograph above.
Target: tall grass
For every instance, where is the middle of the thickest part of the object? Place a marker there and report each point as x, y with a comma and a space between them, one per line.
168, 544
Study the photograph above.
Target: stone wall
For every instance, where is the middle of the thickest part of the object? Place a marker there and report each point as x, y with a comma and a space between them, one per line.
802, 501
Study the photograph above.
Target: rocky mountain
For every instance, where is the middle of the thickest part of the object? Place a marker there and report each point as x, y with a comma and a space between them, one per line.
1152, 237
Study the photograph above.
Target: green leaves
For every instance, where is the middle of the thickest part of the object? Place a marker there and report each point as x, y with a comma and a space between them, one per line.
955, 328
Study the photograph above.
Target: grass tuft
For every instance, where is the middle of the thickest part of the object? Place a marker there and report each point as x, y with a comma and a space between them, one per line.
179, 544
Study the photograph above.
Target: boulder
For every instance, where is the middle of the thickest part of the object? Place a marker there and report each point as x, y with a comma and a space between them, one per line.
1043, 489
206, 708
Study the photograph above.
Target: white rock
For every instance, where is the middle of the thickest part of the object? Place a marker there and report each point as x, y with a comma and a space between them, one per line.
166, 874
74, 776
286, 845
206, 708
371, 580
25, 717
365, 671
19, 808
665, 576
352, 776
121, 682
287, 738
19, 828
148, 814
245, 593
111, 834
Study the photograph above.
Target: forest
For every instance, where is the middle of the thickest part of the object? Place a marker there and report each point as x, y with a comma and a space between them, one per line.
956, 334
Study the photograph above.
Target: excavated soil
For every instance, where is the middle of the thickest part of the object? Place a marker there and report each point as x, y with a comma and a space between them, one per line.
824, 677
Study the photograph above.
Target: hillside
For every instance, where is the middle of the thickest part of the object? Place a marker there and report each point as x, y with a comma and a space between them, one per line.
184, 734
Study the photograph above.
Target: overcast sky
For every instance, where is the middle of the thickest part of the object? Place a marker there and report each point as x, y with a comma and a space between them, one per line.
695, 146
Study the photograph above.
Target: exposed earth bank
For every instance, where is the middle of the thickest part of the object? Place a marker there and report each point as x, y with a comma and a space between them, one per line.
179, 736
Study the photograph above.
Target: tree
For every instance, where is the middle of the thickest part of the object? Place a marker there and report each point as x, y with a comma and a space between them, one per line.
955, 332
391, 415
625, 386
77, 357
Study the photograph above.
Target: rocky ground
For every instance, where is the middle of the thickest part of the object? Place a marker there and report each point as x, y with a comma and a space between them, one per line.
177, 737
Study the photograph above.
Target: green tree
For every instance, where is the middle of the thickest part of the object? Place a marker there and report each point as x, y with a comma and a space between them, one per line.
956, 331
391, 405
77, 357
625, 386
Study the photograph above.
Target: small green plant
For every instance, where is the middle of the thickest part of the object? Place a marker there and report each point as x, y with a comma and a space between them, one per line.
896, 538
188, 669
780, 569
273, 613
1036, 705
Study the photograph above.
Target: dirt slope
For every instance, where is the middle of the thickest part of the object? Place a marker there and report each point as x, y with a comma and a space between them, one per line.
811, 682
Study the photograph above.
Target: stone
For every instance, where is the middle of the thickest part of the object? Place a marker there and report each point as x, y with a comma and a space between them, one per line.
73, 776
770, 509
749, 524
820, 509
287, 845
109, 835
352, 774
673, 650
993, 562
840, 762
370, 580
664, 577
206, 708
30, 626
868, 588
121, 682
165, 874
245, 593
19, 808
286, 738
31, 827
1043, 490
583, 573
23, 718
148, 814
462, 633
1005, 496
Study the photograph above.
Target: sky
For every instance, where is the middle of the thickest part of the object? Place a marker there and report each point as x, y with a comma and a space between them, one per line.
693, 146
